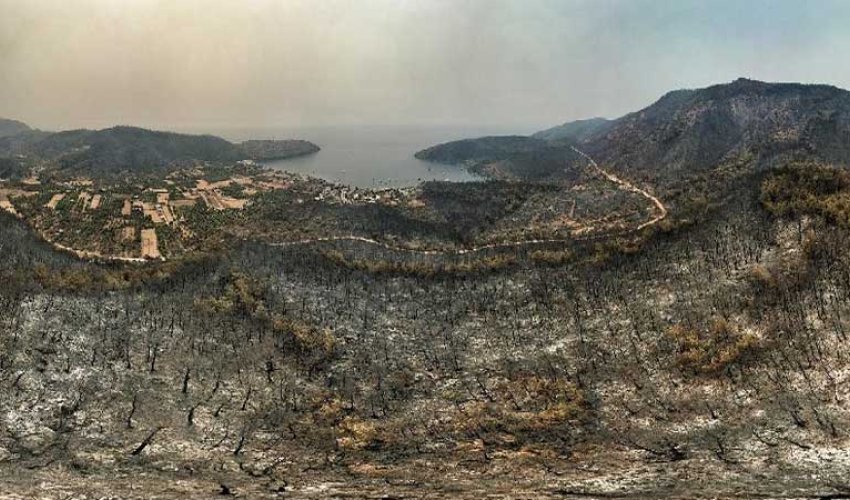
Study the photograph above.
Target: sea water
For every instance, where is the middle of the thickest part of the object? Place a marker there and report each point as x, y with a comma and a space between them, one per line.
370, 156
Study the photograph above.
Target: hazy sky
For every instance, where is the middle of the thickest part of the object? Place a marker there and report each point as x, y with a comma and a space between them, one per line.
222, 63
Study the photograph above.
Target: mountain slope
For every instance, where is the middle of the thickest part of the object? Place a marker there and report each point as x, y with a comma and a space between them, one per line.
12, 127
689, 131
686, 133
128, 148
573, 131
119, 149
260, 150
506, 157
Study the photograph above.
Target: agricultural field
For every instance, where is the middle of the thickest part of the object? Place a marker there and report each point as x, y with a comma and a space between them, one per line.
195, 209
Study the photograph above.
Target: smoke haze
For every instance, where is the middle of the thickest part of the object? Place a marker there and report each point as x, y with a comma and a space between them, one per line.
216, 63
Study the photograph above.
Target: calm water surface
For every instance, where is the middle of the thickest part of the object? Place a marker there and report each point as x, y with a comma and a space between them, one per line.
370, 156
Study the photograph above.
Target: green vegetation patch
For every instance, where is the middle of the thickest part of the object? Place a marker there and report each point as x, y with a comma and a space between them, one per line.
811, 189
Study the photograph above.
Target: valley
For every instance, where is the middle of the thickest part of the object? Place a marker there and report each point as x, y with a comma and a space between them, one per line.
134, 215
654, 306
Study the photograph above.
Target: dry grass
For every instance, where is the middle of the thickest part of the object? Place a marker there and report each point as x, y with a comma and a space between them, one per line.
55, 201
150, 244
128, 233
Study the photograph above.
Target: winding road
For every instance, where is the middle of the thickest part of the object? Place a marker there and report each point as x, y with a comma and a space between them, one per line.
80, 254
660, 209
628, 186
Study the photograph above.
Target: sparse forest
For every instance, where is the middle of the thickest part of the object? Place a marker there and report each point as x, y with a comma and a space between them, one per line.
707, 348
315, 344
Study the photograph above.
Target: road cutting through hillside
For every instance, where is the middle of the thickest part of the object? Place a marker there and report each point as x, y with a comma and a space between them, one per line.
628, 186
660, 208
149, 252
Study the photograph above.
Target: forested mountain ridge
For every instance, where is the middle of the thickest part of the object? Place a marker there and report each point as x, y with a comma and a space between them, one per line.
129, 148
260, 150
690, 132
12, 127
574, 131
124, 148
511, 157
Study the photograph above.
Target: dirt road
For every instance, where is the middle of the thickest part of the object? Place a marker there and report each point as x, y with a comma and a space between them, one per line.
628, 186
661, 210
150, 248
